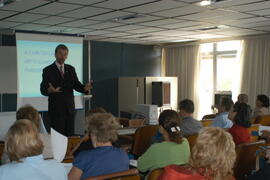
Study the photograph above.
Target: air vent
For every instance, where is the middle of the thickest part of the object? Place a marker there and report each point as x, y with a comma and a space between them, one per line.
126, 18
142, 37
213, 28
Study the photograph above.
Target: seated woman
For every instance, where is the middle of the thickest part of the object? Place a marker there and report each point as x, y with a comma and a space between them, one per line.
30, 113
104, 158
262, 106
24, 148
212, 158
173, 150
242, 121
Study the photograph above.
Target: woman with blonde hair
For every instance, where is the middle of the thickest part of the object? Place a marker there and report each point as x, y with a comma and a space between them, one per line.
24, 149
104, 158
212, 158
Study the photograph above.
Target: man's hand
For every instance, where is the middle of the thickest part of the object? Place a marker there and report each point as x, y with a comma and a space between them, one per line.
87, 87
51, 89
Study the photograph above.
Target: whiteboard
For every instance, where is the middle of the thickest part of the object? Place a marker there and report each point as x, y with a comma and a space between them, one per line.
8, 69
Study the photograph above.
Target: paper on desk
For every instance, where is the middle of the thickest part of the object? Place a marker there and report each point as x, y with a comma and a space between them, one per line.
133, 163
262, 128
59, 145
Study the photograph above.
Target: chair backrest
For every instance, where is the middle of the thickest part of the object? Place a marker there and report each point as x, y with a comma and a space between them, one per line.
254, 132
206, 122
246, 158
209, 116
2, 147
192, 140
263, 120
154, 174
131, 174
72, 142
142, 139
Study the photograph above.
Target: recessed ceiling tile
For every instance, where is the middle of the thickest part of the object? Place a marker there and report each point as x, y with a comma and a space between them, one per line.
53, 20
243, 21
230, 16
23, 5
110, 15
4, 14
255, 24
31, 27
161, 22
251, 6
126, 28
82, 2
97, 32
56, 29
78, 30
156, 6
119, 4
182, 24
145, 30
206, 14
85, 12
116, 34
104, 25
55, 8
263, 28
79, 23
7, 24
26, 17
264, 12
224, 4
190, 9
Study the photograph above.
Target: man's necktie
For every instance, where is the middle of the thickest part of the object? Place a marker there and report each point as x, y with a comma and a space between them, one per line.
61, 71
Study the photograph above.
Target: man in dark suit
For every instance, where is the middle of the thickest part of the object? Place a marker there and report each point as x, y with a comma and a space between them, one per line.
58, 81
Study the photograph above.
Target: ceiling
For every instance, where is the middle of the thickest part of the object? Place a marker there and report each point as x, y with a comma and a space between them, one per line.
156, 22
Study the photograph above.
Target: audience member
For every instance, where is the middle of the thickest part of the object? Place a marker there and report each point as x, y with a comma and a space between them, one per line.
212, 158
24, 149
188, 124
173, 150
222, 120
262, 106
104, 158
240, 115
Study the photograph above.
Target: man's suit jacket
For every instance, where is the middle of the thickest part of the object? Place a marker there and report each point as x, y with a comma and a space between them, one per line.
65, 98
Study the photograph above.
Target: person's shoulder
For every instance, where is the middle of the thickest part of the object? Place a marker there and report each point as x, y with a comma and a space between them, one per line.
68, 66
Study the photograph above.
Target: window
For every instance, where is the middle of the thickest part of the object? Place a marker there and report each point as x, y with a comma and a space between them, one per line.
217, 69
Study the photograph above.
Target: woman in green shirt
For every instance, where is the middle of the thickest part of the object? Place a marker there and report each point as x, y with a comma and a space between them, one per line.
173, 150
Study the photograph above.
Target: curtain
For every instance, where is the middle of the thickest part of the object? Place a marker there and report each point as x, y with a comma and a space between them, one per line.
184, 63
255, 63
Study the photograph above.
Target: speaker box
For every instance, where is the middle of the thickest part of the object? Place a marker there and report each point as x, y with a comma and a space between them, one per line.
161, 93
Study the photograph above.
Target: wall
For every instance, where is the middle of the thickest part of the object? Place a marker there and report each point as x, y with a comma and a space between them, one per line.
112, 60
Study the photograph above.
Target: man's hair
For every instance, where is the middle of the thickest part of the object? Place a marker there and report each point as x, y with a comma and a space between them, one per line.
22, 140
187, 105
169, 119
214, 154
226, 102
264, 100
30, 113
243, 98
104, 126
61, 46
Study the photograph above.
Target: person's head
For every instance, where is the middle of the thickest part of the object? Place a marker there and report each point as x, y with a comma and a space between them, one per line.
102, 128
262, 101
225, 104
22, 140
94, 111
30, 113
186, 107
61, 53
242, 98
169, 125
241, 114
214, 150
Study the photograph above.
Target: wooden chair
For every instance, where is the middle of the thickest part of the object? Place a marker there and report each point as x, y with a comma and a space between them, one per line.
263, 120
209, 116
142, 139
254, 129
207, 122
73, 141
192, 140
132, 174
2, 147
154, 174
246, 158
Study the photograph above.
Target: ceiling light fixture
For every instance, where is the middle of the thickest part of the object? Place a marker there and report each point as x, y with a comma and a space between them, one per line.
205, 3
5, 2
